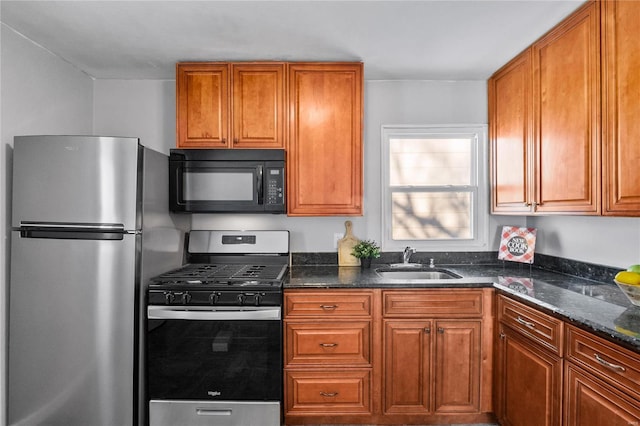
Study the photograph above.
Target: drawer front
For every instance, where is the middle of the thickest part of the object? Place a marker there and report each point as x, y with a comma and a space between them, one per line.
432, 303
606, 359
538, 326
328, 392
327, 304
346, 342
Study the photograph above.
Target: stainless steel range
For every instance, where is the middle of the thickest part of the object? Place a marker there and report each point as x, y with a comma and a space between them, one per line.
214, 339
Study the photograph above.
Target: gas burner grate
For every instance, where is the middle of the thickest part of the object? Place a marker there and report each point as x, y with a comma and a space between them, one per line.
223, 273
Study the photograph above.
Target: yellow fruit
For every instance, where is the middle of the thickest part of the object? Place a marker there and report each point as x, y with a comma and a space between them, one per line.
628, 277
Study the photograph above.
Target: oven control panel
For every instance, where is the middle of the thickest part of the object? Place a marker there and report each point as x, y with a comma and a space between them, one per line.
216, 298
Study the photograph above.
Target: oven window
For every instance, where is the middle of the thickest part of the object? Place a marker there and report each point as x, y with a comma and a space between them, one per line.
219, 185
214, 360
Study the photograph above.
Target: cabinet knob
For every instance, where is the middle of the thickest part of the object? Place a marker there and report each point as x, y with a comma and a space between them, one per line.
440, 330
427, 330
502, 335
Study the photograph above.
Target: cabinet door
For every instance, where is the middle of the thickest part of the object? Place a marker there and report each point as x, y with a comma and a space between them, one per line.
530, 383
324, 159
566, 114
457, 366
510, 127
258, 105
202, 105
590, 402
621, 104
407, 367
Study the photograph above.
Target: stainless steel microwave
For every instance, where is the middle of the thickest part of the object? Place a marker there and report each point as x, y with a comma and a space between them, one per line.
227, 181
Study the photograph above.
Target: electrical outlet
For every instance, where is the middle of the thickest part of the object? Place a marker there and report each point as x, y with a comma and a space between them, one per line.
337, 236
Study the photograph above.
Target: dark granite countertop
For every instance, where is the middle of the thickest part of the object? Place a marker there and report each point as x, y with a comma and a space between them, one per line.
599, 307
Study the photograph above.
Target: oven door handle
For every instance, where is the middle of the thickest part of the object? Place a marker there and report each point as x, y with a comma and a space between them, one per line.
213, 314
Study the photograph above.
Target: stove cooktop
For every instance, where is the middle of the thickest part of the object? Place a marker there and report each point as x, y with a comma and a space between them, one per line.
226, 268
224, 275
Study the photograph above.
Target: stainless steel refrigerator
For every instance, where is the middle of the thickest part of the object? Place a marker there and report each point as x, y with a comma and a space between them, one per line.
90, 225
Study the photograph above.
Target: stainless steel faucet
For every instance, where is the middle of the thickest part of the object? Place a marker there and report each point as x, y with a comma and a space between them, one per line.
406, 255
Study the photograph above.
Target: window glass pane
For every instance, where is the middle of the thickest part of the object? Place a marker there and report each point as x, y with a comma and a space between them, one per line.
429, 162
431, 215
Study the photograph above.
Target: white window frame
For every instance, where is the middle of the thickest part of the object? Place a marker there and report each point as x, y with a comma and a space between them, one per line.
479, 187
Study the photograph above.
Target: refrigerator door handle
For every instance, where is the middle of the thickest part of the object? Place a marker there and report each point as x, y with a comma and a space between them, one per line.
72, 231
66, 225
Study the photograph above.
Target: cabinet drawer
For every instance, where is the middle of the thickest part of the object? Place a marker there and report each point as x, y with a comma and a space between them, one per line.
328, 392
328, 343
606, 359
432, 303
327, 304
539, 326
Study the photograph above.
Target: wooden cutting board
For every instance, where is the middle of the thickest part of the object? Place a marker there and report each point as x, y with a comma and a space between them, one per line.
345, 246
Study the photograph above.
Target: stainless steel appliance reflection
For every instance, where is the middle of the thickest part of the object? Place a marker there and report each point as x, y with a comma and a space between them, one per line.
90, 226
214, 339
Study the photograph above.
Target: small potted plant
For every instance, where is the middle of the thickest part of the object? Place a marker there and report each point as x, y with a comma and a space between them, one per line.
365, 250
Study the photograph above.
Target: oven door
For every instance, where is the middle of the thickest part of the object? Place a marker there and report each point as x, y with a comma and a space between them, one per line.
214, 365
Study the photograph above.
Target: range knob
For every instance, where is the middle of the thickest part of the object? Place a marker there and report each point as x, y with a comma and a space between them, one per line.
214, 298
186, 297
169, 297
258, 299
241, 297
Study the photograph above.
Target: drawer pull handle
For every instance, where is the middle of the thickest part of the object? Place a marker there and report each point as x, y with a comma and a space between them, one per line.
329, 307
328, 345
525, 323
607, 364
329, 394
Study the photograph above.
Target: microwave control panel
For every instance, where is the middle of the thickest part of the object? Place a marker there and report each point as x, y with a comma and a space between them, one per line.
275, 186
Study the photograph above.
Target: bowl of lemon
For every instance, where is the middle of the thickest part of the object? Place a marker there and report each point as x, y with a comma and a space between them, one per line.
629, 282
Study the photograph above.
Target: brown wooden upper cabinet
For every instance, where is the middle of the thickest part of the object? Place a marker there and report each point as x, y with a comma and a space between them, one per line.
544, 119
621, 107
324, 155
510, 133
230, 105
566, 115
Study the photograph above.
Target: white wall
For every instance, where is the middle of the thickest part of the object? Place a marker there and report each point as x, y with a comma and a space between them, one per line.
41, 94
611, 241
142, 109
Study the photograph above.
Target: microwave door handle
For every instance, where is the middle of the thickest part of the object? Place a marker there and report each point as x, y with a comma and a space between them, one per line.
259, 184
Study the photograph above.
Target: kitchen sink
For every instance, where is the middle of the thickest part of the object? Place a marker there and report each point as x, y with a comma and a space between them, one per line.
399, 273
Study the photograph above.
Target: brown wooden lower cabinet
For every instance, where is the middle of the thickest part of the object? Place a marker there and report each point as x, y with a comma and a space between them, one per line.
592, 402
432, 366
528, 373
405, 356
528, 382
328, 392
602, 382
426, 356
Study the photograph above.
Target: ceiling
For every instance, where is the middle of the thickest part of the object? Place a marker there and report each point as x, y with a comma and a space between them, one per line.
396, 39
